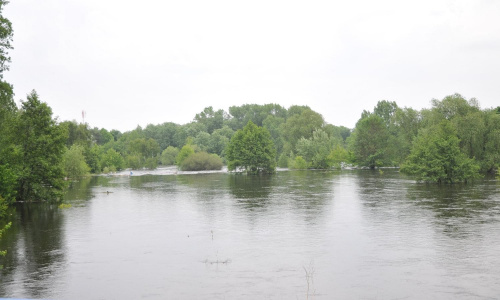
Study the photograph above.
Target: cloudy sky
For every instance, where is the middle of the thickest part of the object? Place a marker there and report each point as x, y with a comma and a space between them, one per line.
129, 63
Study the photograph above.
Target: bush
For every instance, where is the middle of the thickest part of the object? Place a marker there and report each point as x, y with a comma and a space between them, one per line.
185, 152
201, 161
151, 163
298, 163
74, 162
283, 161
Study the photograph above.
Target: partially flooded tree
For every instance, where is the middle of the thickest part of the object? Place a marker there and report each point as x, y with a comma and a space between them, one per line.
40, 144
436, 157
252, 149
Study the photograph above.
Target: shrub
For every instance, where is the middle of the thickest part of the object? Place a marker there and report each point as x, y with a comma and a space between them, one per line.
201, 161
283, 161
186, 151
298, 163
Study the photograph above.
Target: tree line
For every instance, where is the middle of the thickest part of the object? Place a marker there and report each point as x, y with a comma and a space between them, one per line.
454, 140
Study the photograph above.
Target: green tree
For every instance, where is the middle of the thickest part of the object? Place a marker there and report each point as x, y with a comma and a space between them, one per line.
211, 119
369, 141
316, 150
298, 163
168, 156
112, 160
252, 149
436, 157
301, 126
92, 158
185, 152
6, 35
74, 162
338, 155
41, 147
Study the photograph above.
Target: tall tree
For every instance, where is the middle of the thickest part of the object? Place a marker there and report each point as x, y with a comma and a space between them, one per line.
252, 149
436, 157
40, 144
316, 150
7, 110
211, 119
369, 141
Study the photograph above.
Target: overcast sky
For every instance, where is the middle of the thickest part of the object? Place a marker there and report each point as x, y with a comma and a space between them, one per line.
129, 63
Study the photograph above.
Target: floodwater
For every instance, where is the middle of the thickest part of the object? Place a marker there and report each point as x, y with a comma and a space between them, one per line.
354, 234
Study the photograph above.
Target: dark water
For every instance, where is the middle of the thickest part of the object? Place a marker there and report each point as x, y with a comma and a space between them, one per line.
295, 235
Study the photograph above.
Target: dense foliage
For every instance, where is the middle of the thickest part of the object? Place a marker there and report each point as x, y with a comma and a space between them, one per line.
436, 156
252, 150
201, 161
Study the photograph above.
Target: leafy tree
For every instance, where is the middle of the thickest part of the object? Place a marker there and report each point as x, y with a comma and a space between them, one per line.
316, 150
101, 136
112, 160
185, 152
455, 105
252, 149
202, 140
151, 163
6, 35
370, 141
211, 119
241, 115
283, 161
8, 181
274, 124
74, 162
298, 163
40, 149
163, 134
338, 155
301, 126
436, 157
77, 134
491, 157
386, 110
168, 156
92, 158
471, 131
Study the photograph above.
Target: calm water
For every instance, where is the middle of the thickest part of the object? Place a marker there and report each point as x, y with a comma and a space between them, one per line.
294, 235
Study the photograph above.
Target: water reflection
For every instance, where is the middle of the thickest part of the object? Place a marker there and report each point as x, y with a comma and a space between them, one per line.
36, 254
458, 206
168, 236
251, 192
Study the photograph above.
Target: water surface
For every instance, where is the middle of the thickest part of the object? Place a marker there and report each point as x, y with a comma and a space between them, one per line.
294, 235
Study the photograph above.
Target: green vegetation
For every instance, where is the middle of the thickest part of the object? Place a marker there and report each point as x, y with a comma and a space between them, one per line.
452, 141
201, 161
436, 156
74, 162
252, 149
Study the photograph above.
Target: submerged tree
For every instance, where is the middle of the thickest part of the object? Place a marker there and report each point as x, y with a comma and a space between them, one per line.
436, 157
252, 149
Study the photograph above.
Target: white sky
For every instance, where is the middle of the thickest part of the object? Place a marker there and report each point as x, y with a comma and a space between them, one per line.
129, 63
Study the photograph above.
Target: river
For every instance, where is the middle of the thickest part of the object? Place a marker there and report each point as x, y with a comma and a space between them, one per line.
352, 234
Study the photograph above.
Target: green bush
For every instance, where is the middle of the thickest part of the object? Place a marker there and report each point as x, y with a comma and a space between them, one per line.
185, 152
74, 162
298, 163
283, 161
201, 161
151, 163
